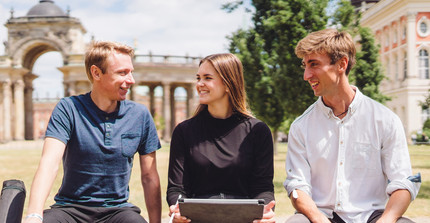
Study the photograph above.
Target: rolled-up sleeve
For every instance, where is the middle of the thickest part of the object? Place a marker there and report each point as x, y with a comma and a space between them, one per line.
297, 166
396, 162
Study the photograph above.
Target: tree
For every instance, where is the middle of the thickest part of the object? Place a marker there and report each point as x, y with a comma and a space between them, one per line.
273, 76
367, 73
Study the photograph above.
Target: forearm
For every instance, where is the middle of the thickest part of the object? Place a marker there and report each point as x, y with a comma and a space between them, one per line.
397, 205
40, 188
268, 196
152, 191
46, 173
305, 205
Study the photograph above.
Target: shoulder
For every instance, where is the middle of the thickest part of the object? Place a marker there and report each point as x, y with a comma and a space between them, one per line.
133, 108
190, 123
306, 114
257, 124
69, 103
379, 110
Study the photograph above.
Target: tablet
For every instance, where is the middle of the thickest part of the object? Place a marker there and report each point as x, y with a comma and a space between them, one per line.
221, 210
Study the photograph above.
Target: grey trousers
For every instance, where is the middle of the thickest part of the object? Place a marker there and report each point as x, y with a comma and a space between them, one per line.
301, 218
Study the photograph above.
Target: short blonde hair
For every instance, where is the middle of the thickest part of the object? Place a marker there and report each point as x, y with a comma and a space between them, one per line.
230, 70
331, 42
99, 51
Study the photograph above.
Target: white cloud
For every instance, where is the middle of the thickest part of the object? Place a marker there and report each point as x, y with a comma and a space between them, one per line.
174, 27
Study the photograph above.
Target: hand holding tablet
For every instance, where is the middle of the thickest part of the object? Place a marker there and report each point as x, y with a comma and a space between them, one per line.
225, 210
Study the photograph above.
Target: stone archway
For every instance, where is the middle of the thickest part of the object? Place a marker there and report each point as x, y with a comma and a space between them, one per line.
45, 28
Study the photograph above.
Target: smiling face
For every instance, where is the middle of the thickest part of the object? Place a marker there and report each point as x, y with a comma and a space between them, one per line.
118, 78
323, 76
210, 87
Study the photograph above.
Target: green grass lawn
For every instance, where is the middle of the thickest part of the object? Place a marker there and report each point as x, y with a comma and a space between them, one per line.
19, 163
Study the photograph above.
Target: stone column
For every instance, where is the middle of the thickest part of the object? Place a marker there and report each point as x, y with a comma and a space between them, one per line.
7, 106
19, 113
132, 92
166, 111
152, 99
172, 108
70, 89
190, 99
411, 40
28, 98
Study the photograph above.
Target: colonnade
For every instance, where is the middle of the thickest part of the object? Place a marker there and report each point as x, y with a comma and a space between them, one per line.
168, 102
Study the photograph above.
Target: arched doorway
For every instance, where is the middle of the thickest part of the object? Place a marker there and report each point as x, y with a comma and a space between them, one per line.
44, 29
47, 90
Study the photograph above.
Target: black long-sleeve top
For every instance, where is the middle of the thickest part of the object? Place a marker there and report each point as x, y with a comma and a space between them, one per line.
209, 156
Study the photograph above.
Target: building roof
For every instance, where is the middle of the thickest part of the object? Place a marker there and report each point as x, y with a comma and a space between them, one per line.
46, 8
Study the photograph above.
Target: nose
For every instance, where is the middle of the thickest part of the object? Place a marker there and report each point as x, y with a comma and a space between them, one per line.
307, 75
130, 79
199, 83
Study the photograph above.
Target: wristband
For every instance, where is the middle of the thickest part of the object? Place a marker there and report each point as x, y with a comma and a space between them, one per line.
34, 215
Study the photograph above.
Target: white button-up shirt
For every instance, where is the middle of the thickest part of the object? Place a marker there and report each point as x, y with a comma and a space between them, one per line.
348, 165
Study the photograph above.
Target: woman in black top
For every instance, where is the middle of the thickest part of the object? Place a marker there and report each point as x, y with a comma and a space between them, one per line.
221, 152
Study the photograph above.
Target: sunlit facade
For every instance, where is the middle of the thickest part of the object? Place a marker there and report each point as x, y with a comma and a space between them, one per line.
402, 29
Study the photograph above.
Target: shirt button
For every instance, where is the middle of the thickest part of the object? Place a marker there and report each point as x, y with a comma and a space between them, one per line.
341, 163
108, 134
340, 183
341, 142
107, 118
338, 204
108, 125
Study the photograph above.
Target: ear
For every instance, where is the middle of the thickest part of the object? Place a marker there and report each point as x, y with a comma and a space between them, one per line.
95, 72
343, 64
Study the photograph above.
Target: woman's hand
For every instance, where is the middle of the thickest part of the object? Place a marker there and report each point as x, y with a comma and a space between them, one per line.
268, 214
174, 210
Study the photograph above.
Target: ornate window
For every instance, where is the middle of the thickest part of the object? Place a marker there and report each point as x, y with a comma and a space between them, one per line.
395, 35
423, 64
423, 27
387, 40
425, 114
396, 68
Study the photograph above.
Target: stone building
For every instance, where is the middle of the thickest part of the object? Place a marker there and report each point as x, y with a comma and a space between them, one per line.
45, 28
402, 29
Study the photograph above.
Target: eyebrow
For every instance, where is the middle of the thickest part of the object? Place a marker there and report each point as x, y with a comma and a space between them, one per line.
309, 61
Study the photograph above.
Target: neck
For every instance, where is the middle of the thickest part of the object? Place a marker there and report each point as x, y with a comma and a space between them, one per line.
220, 111
103, 103
340, 101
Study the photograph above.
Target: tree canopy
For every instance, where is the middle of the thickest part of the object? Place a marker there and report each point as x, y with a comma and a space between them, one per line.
273, 75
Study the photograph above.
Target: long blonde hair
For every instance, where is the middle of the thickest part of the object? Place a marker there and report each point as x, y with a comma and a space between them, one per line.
230, 70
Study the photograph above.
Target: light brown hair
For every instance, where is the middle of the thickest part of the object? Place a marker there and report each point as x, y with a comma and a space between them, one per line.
230, 70
99, 51
331, 42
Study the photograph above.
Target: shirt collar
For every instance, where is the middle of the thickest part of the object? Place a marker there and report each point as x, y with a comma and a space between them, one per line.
352, 107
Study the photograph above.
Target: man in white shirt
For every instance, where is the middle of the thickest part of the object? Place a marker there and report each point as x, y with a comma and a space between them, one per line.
347, 154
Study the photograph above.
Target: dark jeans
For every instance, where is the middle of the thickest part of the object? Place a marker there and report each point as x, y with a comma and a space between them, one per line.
73, 213
301, 218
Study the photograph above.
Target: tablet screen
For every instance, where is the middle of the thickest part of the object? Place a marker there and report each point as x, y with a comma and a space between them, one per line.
221, 210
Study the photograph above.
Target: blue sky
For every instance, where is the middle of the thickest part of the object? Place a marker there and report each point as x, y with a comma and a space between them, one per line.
173, 27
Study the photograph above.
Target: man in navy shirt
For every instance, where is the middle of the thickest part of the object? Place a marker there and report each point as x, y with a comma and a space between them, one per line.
96, 135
